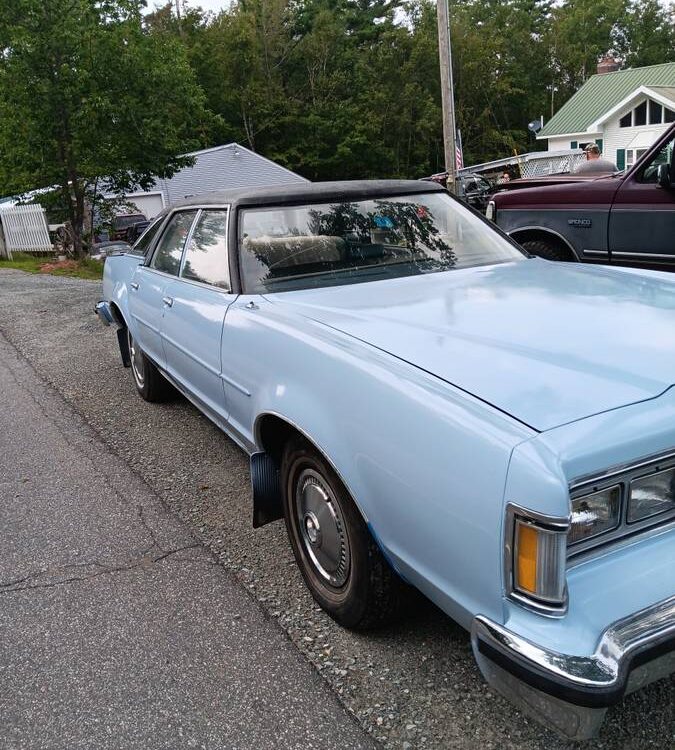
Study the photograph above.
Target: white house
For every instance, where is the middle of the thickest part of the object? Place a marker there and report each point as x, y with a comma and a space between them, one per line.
218, 168
623, 111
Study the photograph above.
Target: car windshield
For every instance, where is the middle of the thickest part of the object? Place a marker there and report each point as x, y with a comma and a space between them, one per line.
302, 247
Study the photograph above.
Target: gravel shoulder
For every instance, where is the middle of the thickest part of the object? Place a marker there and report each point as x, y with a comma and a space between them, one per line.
411, 686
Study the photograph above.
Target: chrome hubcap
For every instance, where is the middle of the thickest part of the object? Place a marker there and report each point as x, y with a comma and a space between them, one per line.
322, 528
136, 358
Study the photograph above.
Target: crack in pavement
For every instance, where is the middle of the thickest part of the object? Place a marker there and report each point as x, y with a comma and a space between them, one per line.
145, 560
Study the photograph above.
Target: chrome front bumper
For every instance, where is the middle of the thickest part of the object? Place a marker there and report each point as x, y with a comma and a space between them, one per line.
572, 693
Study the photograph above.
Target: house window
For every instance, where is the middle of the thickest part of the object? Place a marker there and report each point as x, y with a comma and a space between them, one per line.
573, 144
640, 115
632, 155
655, 113
648, 110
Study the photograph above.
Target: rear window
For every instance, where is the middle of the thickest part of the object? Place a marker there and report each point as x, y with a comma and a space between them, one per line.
302, 247
122, 222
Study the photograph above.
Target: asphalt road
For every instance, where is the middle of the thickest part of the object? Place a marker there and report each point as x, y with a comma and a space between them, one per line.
118, 628
414, 685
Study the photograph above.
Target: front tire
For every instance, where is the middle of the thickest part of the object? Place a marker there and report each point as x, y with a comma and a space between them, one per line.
150, 383
338, 558
547, 249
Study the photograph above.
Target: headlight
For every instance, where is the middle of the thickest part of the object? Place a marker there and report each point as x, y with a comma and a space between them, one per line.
651, 495
491, 211
595, 514
539, 556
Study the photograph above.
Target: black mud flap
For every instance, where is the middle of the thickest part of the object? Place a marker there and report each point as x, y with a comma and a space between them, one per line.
123, 341
266, 485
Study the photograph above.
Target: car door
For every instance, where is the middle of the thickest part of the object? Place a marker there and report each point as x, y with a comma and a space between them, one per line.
148, 286
196, 303
642, 217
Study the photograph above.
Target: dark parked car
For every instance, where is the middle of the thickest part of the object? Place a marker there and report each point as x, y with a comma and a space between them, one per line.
122, 223
625, 217
471, 188
136, 230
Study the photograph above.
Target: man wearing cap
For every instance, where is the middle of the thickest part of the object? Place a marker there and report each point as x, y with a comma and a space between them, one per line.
594, 163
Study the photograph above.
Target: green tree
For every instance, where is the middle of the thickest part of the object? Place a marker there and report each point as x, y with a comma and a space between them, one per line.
86, 94
581, 32
650, 33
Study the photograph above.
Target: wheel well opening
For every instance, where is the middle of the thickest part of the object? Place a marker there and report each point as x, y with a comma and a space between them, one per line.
540, 235
273, 434
122, 340
117, 314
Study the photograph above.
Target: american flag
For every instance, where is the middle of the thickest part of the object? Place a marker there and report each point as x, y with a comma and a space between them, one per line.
459, 157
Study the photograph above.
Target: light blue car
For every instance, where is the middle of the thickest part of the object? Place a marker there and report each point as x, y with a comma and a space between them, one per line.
424, 403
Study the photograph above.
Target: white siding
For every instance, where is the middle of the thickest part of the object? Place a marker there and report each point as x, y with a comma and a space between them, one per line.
559, 144
616, 137
564, 142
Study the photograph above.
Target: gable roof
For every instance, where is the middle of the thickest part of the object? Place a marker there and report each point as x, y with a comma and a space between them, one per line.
601, 93
661, 94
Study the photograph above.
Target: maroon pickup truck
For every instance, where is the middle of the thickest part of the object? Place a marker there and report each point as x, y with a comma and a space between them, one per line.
627, 217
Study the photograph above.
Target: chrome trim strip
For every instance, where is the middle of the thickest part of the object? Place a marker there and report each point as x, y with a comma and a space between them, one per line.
548, 523
187, 241
597, 253
234, 384
210, 368
618, 542
624, 254
545, 230
613, 471
607, 667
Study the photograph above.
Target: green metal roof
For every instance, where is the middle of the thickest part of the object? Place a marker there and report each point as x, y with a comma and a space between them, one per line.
600, 93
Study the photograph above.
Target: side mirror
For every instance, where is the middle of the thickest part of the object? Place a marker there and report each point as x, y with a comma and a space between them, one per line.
663, 176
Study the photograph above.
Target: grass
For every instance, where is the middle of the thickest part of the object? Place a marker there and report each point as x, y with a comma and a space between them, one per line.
82, 269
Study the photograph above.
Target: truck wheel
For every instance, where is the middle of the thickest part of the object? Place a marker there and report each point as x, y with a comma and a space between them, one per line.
338, 558
547, 249
150, 383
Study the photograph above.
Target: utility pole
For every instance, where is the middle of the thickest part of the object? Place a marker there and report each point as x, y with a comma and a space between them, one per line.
447, 93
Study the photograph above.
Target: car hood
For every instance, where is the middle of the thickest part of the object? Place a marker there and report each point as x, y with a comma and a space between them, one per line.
547, 343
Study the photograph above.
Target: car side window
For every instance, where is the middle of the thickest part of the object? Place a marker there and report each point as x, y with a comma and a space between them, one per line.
663, 156
206, 255
142, 244
170, 248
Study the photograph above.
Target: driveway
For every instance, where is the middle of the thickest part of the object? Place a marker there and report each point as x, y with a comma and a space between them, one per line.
414, 685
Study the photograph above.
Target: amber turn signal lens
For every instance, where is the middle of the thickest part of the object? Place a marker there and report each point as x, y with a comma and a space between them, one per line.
526, 564
539, 557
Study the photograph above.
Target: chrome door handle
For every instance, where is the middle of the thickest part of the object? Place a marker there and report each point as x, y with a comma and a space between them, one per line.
168, 301
134, 285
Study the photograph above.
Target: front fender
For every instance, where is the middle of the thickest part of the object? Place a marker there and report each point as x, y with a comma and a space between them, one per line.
424, 462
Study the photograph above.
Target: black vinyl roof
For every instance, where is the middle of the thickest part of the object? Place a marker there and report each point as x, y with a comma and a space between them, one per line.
310, 192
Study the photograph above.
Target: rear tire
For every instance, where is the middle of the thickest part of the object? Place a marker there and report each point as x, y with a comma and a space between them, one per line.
150, 383
337, 556
547, 249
